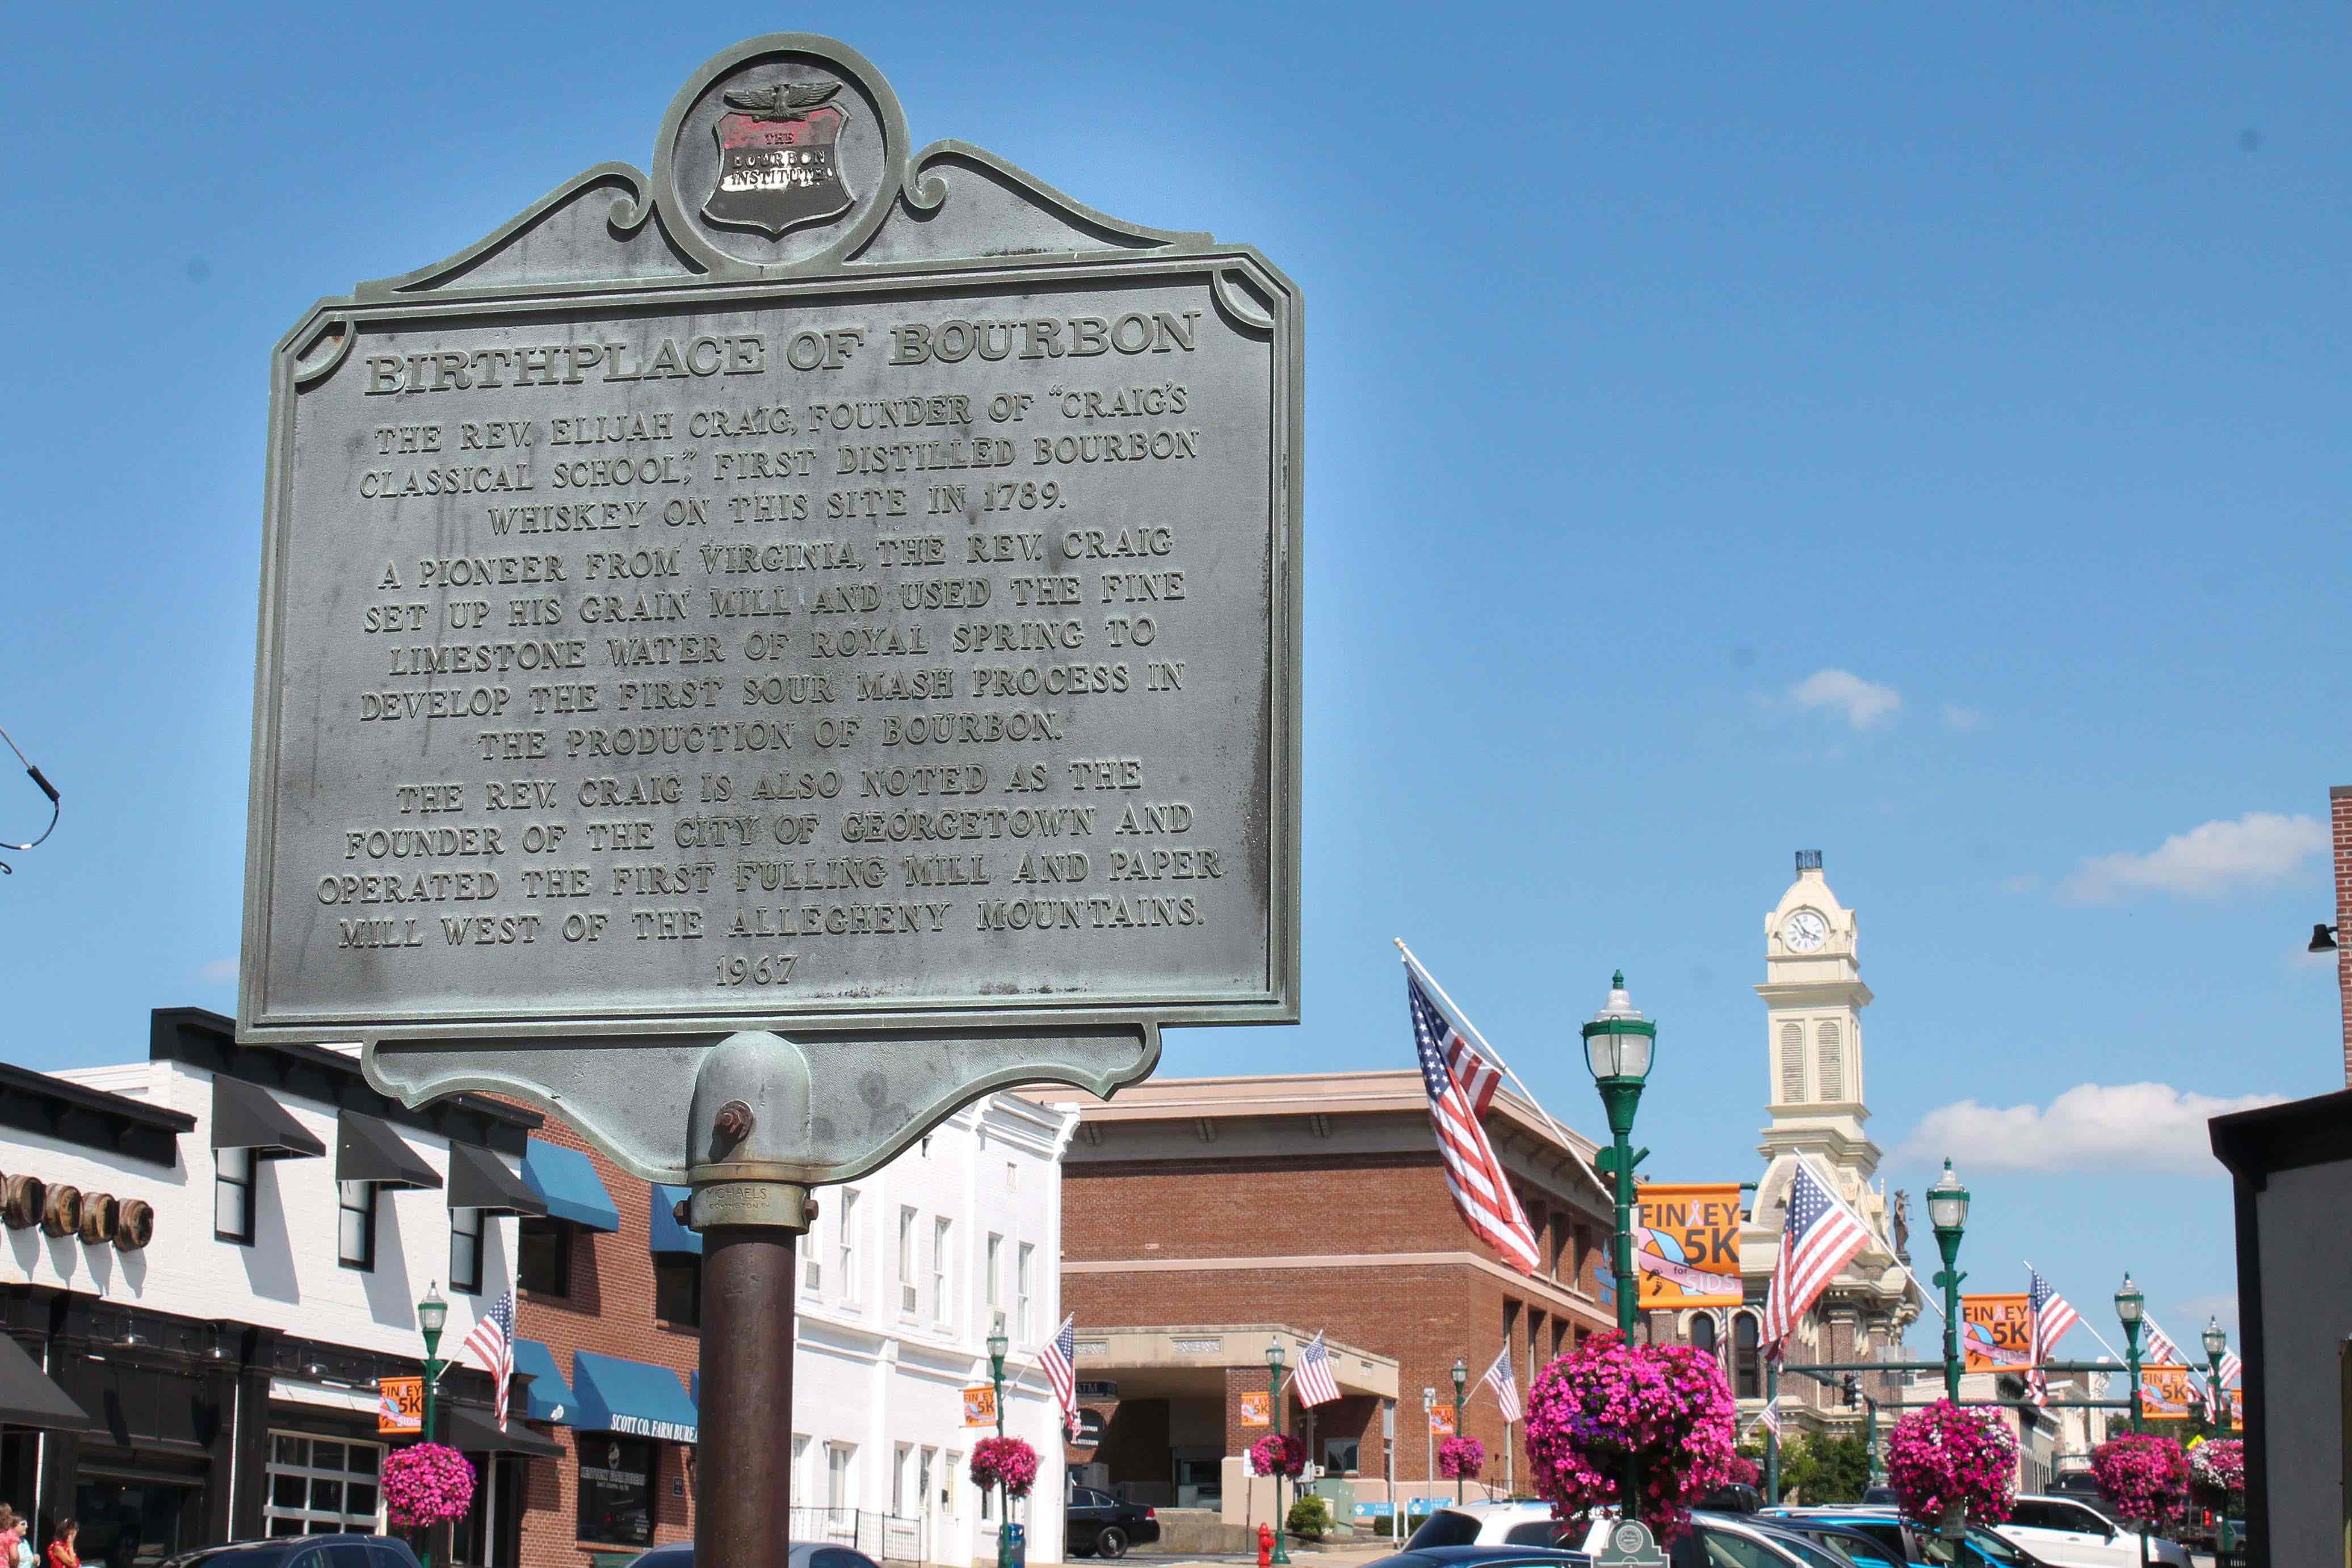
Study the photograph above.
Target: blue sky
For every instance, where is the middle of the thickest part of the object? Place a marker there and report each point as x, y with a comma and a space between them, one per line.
1916, 437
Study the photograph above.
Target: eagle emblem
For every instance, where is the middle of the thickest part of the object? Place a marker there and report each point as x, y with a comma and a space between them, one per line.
779, 158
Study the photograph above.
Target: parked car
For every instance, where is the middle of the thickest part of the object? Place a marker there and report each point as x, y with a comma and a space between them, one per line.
1482, 1557
806, 1554
1487, 1524
1896, 1540
1096, 1524
1498, 1530
2072, 1532
301, 1552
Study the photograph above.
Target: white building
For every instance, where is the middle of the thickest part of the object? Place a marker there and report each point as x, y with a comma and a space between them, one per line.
903, 1277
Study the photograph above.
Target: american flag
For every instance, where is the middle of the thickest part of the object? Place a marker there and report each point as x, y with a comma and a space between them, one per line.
1313, 1379
493, 1342
1506, 1386
1821, 1237
1460, 1086
2052, 1318
1769, 1417
1060, 1359
2232, 1369
2161, 1351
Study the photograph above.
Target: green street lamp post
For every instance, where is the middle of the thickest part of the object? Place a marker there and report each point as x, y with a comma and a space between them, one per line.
1947, 1211
1619, 1043
997, 1346
432, 1312
2217, 1341
1461, 1386
2129, 1304
1273, 1381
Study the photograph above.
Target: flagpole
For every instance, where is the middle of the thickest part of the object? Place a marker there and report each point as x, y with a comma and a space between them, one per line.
1486, 1050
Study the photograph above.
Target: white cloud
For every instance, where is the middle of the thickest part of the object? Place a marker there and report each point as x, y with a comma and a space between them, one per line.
2092, 1126
2194, 1310
2259, 848
220, 970
1863, 703
2025, 884
1961, 719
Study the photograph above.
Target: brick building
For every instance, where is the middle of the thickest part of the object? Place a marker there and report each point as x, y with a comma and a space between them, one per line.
1209, 1216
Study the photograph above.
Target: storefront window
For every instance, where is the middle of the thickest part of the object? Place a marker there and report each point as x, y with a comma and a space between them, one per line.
233, 1196
616, 1489
132, 1524
321, 1486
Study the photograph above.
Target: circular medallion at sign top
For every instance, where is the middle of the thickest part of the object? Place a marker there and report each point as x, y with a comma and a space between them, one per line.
782, 153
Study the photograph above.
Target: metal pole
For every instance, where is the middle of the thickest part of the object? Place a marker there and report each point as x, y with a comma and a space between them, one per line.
1273, 1377
743, 1473
1619, 1098
432, 1375
1771, 1437
1003, 1497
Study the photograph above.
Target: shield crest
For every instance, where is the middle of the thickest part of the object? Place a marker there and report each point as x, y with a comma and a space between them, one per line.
779, 163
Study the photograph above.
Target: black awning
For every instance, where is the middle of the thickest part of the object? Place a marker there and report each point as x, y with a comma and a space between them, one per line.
480, 1179
475, 1431
28, 1397
246, 1117
367, 1149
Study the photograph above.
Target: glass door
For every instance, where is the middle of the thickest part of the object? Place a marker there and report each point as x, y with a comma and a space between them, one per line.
129, 1523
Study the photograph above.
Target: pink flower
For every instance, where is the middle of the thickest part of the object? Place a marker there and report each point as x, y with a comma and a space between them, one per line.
2218, 1469
1008, 1462
1461, 1458
2146, 1478
1946, 1456
1665, 1406
1277, 1456
426, 1483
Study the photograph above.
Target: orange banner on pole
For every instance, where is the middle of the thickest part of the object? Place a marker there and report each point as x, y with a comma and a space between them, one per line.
1441, 1420
1686, 1245
2166, 1394
1996, 1331
400, 1405
980, 1405
1257, 1409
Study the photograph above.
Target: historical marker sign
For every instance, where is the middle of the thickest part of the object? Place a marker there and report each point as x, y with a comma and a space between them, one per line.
822, 582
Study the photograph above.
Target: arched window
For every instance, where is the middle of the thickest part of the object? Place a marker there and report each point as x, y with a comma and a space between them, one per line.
1702, 1332
1792, 1064
1833, 1052
1746, 1366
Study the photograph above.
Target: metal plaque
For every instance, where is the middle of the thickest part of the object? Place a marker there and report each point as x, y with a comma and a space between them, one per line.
820, 586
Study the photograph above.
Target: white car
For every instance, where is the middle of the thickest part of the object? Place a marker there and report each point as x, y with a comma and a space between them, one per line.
1717, 1541
2067, 1532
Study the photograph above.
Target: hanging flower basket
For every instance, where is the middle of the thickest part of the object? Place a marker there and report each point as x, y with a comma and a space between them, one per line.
426, 1484
1277, 1456
2144, 1478
1741, 1471
1461, 1458
2217, 1471
1949, 1466
1665, 1406
1006, 1462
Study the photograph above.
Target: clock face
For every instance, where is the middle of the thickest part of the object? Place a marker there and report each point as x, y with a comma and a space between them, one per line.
1804, 931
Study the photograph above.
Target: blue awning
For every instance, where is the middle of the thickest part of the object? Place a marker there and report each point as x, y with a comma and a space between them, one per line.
635, 1399
550, 1397
567, 1182
669, 1235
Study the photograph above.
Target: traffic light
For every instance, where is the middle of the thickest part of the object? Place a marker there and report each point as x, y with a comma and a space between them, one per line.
1853, 1391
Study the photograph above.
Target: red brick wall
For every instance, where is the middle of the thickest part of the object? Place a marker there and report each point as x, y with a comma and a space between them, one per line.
2340, 802
610, 1312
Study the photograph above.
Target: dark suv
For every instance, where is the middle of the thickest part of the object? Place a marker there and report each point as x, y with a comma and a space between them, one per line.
301, 1552
1098, 1525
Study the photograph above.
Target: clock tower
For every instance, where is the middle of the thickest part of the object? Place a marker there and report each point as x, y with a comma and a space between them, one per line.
1813, 997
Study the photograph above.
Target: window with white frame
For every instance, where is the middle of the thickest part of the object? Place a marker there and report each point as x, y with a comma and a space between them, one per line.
466, 1250
995, 1272
319, 1486
1023, 1269
840, 1475
942, 1240
800, 1464
907, 1261
233, 1171
846, 1247
355, 1224
902, 1473
950, 1509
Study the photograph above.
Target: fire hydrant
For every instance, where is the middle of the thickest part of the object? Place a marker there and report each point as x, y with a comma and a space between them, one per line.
1265, 1544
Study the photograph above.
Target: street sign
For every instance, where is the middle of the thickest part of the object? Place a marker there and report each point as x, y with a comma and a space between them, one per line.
1630, 1545
400, 1405
822, 588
